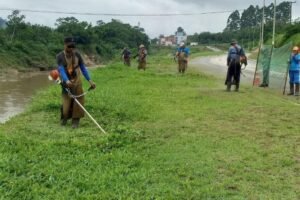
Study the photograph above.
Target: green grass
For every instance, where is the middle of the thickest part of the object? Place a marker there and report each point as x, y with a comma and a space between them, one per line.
170, 137
295, 39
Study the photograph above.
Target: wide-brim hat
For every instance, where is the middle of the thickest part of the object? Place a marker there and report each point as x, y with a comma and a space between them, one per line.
233, 42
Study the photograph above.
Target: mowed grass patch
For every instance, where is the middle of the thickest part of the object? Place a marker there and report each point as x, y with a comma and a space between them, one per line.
170, 136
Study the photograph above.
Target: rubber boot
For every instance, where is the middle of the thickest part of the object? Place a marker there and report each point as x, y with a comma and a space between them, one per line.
264, 85
63, 121
75, 122
297, 89
237, 86
291, 89
228, 86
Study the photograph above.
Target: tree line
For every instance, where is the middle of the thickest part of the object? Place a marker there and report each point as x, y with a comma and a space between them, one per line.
31, 45
246, 26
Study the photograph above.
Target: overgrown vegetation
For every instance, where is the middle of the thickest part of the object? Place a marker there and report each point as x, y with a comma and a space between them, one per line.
170, 137
245, 26
24, 45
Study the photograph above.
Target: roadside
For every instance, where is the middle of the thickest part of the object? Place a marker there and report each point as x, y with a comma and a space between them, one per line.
216, 66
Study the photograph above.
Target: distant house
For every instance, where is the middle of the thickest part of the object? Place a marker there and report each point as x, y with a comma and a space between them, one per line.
194, 43
173, 40
180, 36
167, 41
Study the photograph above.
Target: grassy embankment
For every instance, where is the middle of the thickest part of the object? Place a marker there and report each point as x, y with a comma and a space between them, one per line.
27, 56
170, 137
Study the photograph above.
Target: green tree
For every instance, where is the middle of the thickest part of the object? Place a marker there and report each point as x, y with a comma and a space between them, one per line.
180, 29
15, 23
70, 26
100, 23
120, 35
249, 17
36, 45
233, 22
283, 14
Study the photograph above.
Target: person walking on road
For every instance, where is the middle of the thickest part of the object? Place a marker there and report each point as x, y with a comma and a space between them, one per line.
236, 55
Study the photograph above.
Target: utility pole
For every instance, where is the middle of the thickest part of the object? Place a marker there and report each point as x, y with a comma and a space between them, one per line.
274, 24
291, 6
261, 44
263, 24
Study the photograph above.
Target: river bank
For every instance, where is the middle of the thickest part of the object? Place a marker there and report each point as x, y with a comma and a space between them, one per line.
17, 90
170, 136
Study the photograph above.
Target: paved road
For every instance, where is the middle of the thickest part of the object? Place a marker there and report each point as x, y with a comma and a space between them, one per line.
216, 65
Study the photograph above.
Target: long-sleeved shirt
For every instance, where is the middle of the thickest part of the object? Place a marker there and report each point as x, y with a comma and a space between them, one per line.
62, 67
184, 50
295, 62
126, 53
234, 53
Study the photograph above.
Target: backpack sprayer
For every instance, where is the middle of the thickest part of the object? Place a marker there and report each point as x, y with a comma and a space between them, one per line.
54, 76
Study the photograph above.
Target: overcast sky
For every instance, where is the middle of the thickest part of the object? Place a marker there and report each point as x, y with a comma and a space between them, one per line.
152, 25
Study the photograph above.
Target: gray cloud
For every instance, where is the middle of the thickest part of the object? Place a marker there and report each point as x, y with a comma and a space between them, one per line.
153, 25
225, 4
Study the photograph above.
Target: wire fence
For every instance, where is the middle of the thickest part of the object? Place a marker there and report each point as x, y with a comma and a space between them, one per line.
272, 66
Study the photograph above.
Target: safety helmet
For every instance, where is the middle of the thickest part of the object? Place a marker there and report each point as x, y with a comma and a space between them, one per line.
181, 44
142, 46
295, 48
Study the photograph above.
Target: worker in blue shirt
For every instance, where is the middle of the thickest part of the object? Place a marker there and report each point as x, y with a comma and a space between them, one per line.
294, 72
182, 55
235, 53
70, 66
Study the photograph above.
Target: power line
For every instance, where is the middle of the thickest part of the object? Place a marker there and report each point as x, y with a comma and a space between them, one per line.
118, 14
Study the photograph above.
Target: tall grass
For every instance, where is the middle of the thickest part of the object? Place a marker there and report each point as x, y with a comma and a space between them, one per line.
169, 136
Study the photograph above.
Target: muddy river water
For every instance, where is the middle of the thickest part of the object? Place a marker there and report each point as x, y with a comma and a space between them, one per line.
17, 90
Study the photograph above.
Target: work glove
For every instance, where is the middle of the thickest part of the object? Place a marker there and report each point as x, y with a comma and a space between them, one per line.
69, 84
93, 85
